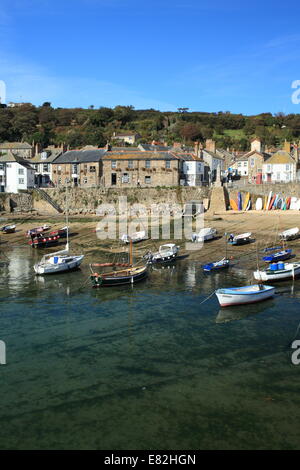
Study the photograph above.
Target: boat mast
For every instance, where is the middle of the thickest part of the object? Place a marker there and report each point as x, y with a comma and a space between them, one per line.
130, 252
67, 218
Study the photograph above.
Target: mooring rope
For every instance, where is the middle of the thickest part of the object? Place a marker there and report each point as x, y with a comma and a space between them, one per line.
207, 298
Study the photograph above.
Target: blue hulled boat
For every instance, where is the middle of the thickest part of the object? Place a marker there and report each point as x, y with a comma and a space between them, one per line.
217, 266
279, 256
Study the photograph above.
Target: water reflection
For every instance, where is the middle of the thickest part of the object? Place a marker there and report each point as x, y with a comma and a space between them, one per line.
240, 312
84, 362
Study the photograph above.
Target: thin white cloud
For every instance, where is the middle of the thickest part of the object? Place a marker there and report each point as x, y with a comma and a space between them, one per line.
283, 41
30, 83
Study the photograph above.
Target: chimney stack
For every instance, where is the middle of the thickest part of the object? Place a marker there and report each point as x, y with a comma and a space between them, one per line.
210, 145
256, 145
287, 146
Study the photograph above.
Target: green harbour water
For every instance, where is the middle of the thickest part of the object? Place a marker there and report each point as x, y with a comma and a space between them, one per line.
145, 367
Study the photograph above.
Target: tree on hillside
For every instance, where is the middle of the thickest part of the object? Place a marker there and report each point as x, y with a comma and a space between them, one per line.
191, 132
102, 117
24, 121
124, 114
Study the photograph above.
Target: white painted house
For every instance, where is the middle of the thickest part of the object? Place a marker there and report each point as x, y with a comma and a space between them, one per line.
240, 166
193, 171
279, 168
15, 174
42, 164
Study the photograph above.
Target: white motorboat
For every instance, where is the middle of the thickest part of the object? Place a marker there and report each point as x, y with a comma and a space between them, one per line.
278, 271
8, 229
135, 237
165, 254
290, 234
58, 262
244, 295
204, 235
241, 239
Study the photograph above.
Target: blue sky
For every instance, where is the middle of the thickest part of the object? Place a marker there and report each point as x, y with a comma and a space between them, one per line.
205, 55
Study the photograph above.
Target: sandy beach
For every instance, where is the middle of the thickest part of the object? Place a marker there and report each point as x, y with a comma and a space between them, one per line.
264, 227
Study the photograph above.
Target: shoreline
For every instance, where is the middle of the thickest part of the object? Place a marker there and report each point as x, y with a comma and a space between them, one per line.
264, 227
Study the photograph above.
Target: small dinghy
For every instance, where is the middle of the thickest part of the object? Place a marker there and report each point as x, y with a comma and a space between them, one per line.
135, 237
204, 235
217, 266
278, 271
279, 256
241, 239
9, 229
165, 254
36, 230
244, 295
290, 234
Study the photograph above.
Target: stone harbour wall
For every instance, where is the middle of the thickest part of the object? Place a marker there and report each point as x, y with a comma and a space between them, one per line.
87, 201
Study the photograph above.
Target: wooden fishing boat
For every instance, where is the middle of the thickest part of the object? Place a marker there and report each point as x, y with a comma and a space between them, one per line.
244, 295
278, 272
279, 256
241, 239
128, 274
35, 231
41, 240
165, 254
290, 234
9, 229
217, 266
204, 235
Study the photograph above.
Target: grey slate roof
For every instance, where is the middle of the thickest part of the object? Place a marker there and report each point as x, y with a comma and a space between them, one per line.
142, 155
81, 156
49, 159
10, 158
212, 154
153, 148
15, 146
